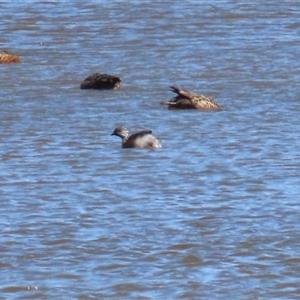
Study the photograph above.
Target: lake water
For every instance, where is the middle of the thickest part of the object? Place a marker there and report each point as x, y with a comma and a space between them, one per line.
214, 214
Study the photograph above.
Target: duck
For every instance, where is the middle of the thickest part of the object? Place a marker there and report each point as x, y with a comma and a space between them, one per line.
8, 57
101, 82
141, 139
190, 100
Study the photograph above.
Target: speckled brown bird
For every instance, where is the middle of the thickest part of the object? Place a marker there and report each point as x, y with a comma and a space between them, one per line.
101, 82
141, 139
190, 100
8, 57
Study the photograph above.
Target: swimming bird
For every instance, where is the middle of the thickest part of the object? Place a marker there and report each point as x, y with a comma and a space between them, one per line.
190, 100
101, 82
8, 57
141, 139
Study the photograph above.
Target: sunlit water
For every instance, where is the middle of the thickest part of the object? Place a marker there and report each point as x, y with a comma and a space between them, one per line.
214, 214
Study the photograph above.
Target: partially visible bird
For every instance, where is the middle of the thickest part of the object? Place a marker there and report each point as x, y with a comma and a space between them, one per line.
101, 82
8, 57
190, 100
141, 139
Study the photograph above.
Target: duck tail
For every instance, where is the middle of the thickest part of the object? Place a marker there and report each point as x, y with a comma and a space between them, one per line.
175, 89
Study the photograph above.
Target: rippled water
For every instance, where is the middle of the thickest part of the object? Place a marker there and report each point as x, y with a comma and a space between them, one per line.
214, 214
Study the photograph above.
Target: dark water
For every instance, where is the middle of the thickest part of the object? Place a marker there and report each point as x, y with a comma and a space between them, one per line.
213, 215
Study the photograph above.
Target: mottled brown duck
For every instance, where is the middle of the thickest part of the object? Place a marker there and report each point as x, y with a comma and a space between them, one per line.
141, 139
190, 100
101, 82
8, 57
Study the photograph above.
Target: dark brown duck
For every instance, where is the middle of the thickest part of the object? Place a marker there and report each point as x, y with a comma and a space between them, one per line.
101, 82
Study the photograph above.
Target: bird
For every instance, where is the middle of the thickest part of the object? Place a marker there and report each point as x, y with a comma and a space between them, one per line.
190, 100
141, 139
8, 57
101, 82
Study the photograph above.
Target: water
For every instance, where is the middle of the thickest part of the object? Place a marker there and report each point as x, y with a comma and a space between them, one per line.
214, 214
